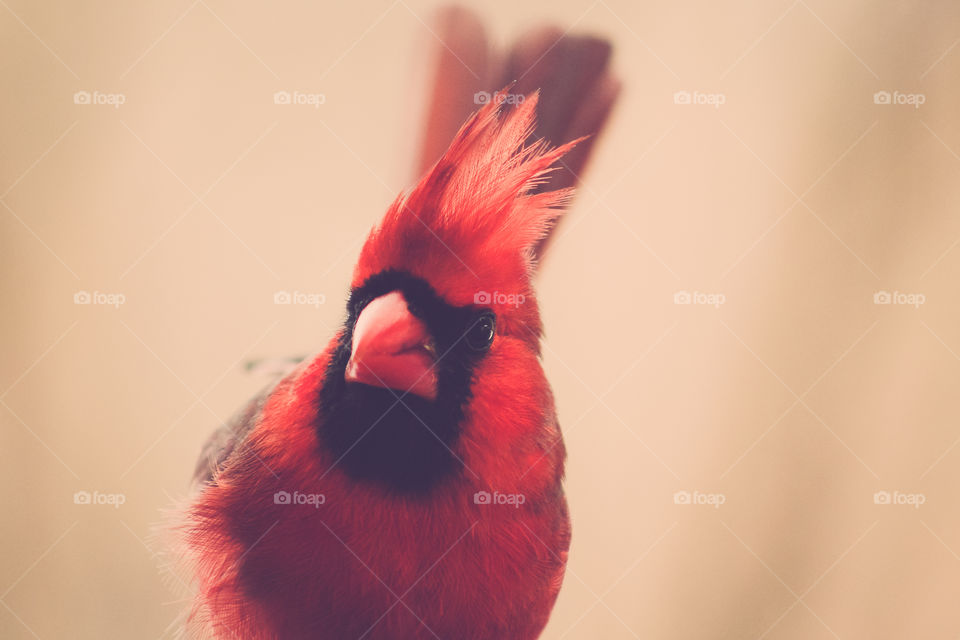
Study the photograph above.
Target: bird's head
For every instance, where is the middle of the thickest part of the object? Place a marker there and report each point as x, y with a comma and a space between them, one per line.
440, 348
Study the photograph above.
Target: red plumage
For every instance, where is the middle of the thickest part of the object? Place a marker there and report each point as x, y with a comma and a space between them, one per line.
277, 570
380, 561
471, 223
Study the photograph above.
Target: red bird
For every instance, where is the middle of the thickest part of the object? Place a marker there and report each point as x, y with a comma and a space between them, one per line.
405, 483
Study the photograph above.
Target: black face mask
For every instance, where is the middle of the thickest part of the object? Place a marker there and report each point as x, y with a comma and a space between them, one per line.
396, 439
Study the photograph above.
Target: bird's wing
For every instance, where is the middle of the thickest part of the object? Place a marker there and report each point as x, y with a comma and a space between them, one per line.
225, 440
274, 368
229, 438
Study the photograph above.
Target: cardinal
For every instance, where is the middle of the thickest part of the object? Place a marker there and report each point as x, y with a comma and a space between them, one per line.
406, 481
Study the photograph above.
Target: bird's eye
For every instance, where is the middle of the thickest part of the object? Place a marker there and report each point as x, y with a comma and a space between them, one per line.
480, 335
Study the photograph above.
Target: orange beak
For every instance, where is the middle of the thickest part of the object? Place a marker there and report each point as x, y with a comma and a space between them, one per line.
392, 349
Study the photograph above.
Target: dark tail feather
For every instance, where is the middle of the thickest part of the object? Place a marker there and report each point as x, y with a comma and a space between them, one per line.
577, 87
577, 92
464, 66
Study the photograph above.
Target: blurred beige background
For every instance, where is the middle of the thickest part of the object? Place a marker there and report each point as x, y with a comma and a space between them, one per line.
795, 403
